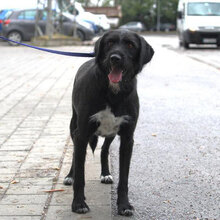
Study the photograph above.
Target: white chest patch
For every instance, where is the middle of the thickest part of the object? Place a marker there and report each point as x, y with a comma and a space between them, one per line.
109, 124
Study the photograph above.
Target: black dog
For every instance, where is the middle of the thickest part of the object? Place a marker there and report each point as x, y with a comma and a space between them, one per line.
105, 103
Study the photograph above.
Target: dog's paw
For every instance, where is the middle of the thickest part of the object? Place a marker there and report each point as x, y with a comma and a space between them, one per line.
80, 207
68, 181
106, 179
125, 210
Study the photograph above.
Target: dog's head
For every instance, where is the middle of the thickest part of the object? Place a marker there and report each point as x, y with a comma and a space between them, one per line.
121, 54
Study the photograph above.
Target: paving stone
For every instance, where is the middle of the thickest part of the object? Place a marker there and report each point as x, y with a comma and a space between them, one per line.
23, 217
18, 189
36, 173
6, 177
20, 209
15, 147
23, 199
12, 155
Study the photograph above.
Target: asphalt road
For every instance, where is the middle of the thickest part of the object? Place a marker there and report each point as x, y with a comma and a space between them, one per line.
175, 169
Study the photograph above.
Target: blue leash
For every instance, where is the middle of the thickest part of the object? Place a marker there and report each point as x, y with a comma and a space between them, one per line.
52, 51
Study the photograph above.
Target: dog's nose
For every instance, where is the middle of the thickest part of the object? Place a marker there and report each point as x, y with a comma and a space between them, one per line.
115, 58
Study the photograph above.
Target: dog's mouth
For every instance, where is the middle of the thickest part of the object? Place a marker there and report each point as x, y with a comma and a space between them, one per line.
115, 75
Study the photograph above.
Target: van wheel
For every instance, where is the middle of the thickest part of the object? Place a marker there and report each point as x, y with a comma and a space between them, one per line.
15, 36
185, 45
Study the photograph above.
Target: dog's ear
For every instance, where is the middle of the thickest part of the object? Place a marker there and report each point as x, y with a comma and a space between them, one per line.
146, 53
98, 49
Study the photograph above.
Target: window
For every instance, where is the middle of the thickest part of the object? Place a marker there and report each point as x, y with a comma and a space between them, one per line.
44, 15
27, 15
203, 9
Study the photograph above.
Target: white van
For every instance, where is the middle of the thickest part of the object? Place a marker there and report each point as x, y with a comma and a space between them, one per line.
198, 22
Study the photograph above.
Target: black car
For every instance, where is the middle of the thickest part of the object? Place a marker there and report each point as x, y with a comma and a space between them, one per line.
20, 25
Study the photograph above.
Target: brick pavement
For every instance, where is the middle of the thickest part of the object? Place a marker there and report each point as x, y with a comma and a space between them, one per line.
35, 148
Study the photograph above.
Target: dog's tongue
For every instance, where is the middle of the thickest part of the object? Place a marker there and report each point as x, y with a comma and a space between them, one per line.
115, 75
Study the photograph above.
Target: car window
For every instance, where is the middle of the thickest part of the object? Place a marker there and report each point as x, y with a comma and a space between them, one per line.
27, 15
44, 15
1, 14
4, 14
133, 23
8, 14
64, 18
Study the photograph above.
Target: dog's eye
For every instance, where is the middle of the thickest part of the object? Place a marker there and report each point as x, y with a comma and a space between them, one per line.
110, 43
130, 45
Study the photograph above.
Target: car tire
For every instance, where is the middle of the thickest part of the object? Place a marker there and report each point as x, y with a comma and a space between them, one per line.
15, 36
80, 35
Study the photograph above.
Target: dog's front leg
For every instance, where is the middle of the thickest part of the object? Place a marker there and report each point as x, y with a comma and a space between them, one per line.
106, 177
126, 147
80, 145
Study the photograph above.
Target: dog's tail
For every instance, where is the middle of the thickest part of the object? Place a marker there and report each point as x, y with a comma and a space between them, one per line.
93, 142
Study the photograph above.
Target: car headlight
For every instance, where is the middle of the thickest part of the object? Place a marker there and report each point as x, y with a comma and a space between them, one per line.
193, 28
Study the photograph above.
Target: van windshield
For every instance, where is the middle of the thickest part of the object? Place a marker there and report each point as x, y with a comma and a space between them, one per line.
203, 9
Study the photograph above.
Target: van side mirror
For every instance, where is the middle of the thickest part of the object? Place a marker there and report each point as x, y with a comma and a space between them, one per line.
179, 14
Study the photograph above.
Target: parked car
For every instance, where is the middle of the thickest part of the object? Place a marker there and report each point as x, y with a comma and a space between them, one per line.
134, 26
4, 14
164, 27
19, 25
85, 30
167, 27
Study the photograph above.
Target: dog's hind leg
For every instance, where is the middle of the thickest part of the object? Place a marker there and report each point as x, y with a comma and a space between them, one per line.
68, 180
106, 177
